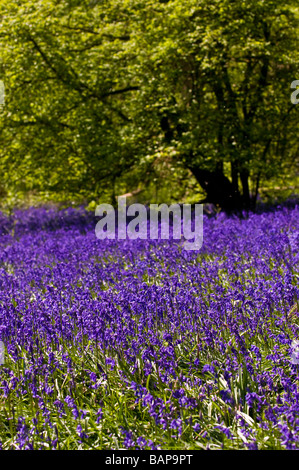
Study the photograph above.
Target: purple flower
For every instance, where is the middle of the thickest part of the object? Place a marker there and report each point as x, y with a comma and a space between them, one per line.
208, 368
81, 433
99, 415
196, 427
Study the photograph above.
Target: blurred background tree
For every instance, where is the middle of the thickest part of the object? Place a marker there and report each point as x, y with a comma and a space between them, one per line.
176, 101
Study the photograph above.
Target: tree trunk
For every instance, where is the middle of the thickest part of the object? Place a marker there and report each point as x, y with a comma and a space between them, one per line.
219, 189
244, 175
234, 176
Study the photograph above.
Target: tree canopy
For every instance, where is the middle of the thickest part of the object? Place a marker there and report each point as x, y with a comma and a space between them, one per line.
98, 92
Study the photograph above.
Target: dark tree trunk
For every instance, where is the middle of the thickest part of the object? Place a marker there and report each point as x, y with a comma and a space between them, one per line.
234, 176
244, 175
219, 189
257, 184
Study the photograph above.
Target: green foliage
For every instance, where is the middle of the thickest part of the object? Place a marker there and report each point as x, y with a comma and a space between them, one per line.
218, 76
65, 127
99, 95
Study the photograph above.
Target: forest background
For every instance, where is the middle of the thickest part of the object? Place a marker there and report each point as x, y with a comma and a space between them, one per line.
166, 101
